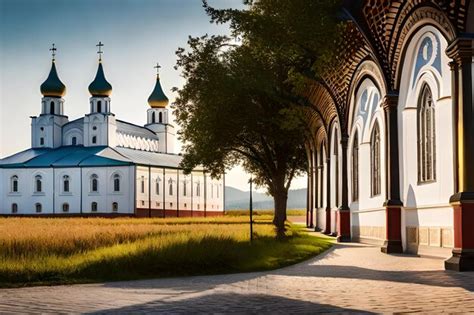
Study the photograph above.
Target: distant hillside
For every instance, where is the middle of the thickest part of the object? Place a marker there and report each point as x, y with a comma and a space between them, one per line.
238, 199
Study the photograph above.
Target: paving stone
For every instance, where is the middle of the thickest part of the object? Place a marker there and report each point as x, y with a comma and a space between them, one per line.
349, 278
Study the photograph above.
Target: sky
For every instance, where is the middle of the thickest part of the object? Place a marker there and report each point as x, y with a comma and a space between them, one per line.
136, 35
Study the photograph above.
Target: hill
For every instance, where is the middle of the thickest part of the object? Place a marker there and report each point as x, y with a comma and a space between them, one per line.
236, 199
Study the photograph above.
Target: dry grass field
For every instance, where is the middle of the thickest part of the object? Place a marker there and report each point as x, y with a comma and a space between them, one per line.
71, 250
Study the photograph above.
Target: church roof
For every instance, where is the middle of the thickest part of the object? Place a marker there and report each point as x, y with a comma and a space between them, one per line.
80, 156
135, 130
52, 86
100, 87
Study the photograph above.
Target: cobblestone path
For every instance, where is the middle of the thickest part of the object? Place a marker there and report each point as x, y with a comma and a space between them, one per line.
347, 278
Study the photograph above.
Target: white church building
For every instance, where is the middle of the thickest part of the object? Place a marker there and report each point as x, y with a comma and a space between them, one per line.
100, 165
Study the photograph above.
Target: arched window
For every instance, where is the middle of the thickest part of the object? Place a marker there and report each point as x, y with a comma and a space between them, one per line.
185, 187
426, 137
14, 208
65, 207
116, 182
160, 117
375, 161
74, 141
157, 186
94, 139
198, 189
94, 183
94, 207
114, 206
38, 183
142, 184
41, 141
217, 189
99, 106
153, 120
38, 208
170, 188
14, 184
355, 168
51, 108
65, 183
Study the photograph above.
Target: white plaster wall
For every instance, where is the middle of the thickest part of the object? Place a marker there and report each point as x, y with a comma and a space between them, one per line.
185, 199
321, 218
157, 197
106, 196
171, 200
198, 201
73, 197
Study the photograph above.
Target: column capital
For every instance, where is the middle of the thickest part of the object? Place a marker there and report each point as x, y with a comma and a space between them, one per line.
461, 50
390, 101
344, 140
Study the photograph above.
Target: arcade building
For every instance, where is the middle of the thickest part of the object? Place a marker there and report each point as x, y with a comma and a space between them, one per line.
391, 152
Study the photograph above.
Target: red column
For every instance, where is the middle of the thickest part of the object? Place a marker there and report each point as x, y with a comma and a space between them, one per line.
343, 213
462, 52
393, 205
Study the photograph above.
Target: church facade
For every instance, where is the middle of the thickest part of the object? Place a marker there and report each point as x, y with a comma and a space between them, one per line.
98, 165
392, 123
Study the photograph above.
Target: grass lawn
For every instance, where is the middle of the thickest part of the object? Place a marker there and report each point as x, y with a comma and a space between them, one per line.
36, 251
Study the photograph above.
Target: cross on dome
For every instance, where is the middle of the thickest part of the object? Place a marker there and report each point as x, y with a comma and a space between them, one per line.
100, 52
157, 67
53, 52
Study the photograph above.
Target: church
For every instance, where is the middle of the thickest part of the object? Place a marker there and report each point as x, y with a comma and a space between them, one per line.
391, 150
98, 165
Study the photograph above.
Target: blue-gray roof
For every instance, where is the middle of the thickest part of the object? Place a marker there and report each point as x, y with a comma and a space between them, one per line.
67, 156
80, 156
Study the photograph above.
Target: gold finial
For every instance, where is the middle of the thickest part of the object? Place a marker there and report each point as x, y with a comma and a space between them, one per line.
53, 52
100, 52
157, 67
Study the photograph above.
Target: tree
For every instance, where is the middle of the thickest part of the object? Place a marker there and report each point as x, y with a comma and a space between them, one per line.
239, 105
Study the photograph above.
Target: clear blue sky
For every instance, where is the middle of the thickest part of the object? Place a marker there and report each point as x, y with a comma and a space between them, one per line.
136, 34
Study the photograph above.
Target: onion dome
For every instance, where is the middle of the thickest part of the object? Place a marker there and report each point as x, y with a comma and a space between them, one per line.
100, 87
158, 98
53, 87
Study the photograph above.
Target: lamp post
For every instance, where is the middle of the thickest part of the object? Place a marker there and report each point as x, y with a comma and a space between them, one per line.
251, 210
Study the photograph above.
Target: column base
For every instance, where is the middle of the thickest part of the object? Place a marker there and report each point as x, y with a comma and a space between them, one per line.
462, 260
392, 247
343, 239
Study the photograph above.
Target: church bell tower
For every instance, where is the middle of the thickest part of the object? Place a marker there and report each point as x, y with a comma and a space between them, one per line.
100, 124
46, 129
158, 117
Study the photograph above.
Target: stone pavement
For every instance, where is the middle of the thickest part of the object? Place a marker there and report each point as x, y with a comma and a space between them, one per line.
348, 278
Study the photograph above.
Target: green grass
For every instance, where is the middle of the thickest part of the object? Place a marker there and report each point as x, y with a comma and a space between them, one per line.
36, 251
245, 212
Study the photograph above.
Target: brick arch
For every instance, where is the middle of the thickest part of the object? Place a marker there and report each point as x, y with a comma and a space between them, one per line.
418, 19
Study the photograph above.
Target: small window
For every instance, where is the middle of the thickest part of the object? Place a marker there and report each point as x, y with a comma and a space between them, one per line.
38, 184
116, 182
14, 208
99, 106
66, 183
143, 202
426, 137
142, 184
157, 204
160, 117
94, 139
38, 208
74, 141
198, 206
171, 204
51, 108
153, 120
185, 187
94, 207
41, 141
65, 207
94, 183
114, 207
14, 184
185, 205
170, 188
198, 189
157, 186
94, 128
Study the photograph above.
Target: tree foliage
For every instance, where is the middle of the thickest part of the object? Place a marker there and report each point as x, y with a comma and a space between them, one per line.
239, 105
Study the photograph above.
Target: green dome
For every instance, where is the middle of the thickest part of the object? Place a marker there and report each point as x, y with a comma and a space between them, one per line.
158, 98
100, 87
53, 87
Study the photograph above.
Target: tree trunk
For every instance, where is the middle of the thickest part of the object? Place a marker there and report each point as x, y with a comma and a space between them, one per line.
280, 199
